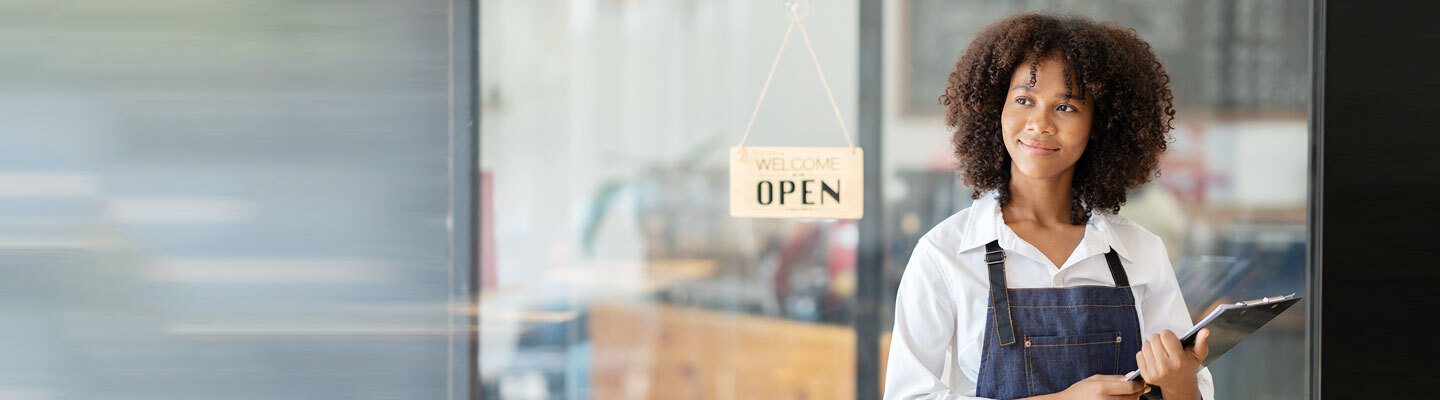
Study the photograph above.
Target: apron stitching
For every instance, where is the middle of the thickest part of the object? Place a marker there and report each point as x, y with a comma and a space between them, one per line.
1029, 380
1008, 314
1073, 344
1074, 306
1072, 287
997, 327
1116, 369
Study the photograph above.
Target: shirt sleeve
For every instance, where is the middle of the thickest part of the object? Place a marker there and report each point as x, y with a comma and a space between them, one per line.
925, 317
1164, 308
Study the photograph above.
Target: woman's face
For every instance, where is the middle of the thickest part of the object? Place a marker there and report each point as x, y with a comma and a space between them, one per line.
1045, 131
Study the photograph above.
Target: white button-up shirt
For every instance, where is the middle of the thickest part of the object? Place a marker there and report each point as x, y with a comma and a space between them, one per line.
935, 348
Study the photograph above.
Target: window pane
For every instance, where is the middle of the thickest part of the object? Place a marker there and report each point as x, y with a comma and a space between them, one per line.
618, 271
224, 200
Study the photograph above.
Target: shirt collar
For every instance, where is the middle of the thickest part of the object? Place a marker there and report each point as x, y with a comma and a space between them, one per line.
986, 222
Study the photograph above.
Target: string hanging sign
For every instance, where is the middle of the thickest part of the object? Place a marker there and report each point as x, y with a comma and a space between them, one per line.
797, 182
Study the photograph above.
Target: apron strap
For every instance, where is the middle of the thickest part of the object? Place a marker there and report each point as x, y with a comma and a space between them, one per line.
1117, 271
999, 296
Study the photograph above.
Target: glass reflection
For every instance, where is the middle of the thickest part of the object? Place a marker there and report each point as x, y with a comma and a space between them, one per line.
224, 200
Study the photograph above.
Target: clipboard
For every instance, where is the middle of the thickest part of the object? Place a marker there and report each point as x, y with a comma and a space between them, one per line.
1231, 323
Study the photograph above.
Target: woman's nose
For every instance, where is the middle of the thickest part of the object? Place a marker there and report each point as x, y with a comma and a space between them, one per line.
1039, 122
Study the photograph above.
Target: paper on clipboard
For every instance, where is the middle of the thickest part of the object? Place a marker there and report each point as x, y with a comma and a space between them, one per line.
1231, 323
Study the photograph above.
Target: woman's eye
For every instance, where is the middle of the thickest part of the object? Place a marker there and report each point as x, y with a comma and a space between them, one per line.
1022, 101
1067, 108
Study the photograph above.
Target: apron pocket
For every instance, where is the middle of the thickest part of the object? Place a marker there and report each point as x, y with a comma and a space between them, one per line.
1053, 363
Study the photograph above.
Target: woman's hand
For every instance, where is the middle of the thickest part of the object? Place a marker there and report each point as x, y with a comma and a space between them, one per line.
1101, 387
1165, 363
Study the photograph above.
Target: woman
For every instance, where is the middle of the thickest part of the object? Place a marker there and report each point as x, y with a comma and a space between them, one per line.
1038, 289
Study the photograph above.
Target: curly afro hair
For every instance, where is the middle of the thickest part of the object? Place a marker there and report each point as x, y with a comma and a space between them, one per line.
1132, 115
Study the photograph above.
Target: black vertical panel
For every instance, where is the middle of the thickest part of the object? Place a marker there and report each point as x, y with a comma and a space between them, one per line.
1378, 253
1315, 209
869, 271
464, 128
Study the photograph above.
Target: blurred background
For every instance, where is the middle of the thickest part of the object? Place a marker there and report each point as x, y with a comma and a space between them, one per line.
224, 200
251, 200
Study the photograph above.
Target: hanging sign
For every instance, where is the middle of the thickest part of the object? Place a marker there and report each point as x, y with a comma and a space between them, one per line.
797, 182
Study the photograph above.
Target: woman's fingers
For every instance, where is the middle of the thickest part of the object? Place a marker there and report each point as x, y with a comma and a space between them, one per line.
1123, 388
1116, 387
1140, 363
1155, 356
1157, 345
1173, 350
1149, 366
1163, 356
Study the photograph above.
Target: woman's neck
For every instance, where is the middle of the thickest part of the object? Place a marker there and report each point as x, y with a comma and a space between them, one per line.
1045, 201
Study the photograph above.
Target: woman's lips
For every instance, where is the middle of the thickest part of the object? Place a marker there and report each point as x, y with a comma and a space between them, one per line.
1036, 148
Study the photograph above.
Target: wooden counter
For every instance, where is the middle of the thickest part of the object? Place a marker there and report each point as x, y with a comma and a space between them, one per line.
665, 352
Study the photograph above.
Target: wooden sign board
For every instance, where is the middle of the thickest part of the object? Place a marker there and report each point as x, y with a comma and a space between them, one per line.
797, 182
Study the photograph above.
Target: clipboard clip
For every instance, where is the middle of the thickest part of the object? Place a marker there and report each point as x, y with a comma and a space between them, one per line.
1264, 300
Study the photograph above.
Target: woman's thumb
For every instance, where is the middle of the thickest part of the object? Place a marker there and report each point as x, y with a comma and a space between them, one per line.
1202, 344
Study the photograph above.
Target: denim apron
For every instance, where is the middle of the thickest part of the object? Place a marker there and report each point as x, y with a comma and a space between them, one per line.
1040, 341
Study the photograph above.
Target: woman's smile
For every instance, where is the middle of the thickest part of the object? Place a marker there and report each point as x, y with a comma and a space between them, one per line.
1038, 148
